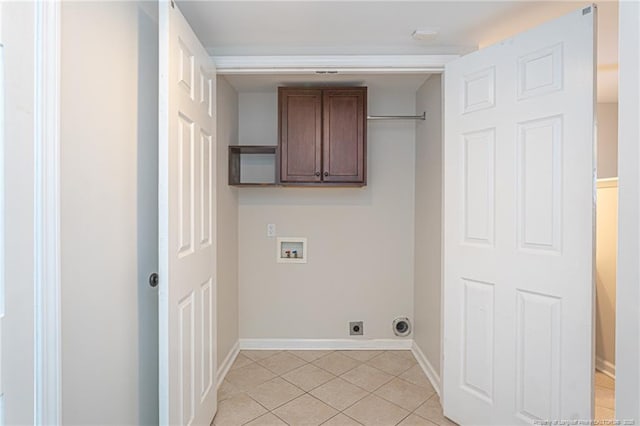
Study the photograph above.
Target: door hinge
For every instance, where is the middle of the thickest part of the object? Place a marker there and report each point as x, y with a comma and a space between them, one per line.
586, 10
173, 4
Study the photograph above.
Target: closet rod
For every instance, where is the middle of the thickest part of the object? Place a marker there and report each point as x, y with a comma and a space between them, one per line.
397, 117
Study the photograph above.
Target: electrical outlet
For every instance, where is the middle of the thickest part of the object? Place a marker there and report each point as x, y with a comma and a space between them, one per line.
271, 230
356, 328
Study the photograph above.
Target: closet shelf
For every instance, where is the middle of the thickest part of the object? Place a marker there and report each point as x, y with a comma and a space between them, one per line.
239, 152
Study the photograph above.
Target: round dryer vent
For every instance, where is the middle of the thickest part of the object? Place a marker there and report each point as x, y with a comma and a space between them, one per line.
402, 326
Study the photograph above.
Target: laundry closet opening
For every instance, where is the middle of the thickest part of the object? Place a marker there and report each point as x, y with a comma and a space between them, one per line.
366, 245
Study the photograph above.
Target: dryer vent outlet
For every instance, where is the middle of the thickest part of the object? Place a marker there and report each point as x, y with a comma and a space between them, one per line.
356, 328
401, 326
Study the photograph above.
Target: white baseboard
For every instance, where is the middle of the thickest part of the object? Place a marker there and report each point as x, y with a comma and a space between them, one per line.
426, 366
227, 363
606, 367
325, 344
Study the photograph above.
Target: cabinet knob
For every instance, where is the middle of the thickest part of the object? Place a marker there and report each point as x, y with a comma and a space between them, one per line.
317, 173
326, 173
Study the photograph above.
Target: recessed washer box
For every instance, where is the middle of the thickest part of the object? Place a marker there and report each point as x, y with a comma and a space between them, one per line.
291, 250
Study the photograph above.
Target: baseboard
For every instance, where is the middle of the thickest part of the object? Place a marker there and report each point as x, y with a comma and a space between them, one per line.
426, 366
606, 367
227, 363
325, 344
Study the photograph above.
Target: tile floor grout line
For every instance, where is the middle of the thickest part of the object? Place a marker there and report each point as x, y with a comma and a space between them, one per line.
337, 375
280, 418
403, 419
279, 374
406, 409
307, 391
411, 383
393, 403
249, 421
355, 402
284, 403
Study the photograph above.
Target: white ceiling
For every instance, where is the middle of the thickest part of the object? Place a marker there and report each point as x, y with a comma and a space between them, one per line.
320, 27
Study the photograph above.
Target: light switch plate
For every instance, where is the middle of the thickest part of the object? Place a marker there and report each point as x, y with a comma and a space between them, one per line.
271, 230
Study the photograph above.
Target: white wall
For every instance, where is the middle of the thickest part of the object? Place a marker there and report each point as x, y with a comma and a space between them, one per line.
227, 220
606, 250
628, 286
18, 322
428, 223
607, 140
109, 122
360, 240
258, 118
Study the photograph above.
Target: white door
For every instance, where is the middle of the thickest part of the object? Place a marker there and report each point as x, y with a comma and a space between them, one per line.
2, 196
186, 225
519, 218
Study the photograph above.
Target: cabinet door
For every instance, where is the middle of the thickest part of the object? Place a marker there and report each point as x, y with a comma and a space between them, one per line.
300, 132
344, 140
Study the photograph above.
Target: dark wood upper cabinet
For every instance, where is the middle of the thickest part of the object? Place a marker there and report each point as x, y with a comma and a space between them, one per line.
322, 134
300, 135
343, 137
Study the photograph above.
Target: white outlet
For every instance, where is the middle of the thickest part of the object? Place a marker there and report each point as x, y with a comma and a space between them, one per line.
271, 230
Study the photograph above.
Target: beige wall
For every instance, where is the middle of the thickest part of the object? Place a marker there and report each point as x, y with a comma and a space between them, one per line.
227, 220
360, 264
428, 222
108, 133
607, 237
17, 144
607, 140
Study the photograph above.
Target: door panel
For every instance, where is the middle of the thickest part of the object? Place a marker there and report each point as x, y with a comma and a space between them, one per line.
300, 130
187, 224
518, 228
344, 114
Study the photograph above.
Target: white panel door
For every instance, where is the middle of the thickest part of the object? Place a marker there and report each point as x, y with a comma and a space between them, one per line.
518, 227
187, 225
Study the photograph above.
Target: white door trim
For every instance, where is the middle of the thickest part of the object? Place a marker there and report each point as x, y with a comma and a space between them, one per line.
47, 214
627, 361
344, 64
2, 207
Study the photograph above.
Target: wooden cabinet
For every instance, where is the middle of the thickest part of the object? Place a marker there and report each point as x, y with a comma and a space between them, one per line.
322, 136
300, 134
258, 174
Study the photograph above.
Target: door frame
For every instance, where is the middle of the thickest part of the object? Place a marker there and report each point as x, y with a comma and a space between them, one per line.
47, 215
36, 284
627, 393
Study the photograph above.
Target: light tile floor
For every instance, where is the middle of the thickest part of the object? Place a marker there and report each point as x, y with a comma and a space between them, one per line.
605, 397
331, 388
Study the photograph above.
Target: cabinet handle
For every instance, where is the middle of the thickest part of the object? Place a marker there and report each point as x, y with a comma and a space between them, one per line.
317, 173
326, 173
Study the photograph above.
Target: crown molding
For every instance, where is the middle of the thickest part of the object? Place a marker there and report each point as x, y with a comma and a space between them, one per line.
343, 64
